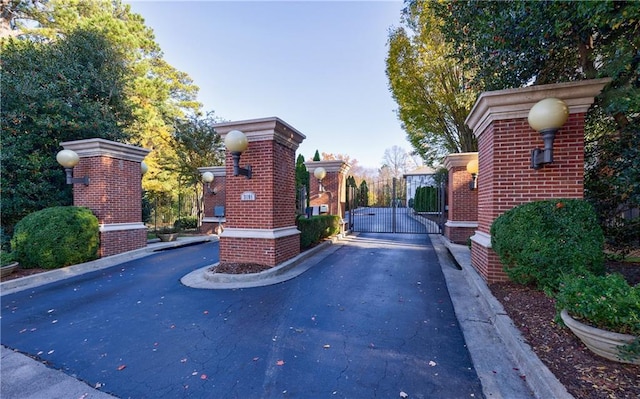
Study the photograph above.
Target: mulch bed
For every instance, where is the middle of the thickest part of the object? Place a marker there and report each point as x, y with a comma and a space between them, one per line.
238, 268
584, 374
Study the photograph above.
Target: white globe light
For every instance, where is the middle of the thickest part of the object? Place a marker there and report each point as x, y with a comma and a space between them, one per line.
207, 177
143, 167
320, 173
236, 141
67, 158
550, 113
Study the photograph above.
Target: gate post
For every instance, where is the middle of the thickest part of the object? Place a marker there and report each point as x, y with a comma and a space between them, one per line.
334, 183
114, 193
505, 140
260, 211
462, 215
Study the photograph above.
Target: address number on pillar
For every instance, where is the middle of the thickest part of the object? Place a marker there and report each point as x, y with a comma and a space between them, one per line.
248, 196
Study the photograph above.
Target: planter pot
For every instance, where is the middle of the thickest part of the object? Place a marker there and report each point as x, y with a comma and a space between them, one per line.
601, 342
8, 269
166, 237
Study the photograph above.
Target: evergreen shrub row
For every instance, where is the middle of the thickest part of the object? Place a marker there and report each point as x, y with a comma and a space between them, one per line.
316, 228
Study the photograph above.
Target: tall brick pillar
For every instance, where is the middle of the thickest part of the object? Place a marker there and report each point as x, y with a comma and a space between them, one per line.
260, 212
114, 193
462, 219
505, 141
334, 184
214, 204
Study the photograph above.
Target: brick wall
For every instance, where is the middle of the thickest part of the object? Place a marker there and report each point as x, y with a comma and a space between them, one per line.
259, 251
115, 242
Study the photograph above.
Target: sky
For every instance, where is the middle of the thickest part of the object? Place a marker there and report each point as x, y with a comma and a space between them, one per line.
317, 65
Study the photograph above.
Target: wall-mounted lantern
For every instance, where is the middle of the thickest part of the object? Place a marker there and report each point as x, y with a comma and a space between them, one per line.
207, 177
69, 159
237, 143
547, 117
320, 174
143, 168
472, 168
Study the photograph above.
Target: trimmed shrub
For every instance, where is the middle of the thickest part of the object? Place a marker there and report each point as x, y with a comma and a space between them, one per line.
56, 237
316, 228
186, 222
540, 242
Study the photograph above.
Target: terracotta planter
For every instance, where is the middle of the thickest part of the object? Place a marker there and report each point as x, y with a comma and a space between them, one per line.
601, 342
8, 269
166, 237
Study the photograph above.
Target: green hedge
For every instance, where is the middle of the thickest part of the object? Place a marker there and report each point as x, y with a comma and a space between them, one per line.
56, 237
426, 199
186, 222
541, 242
316, 228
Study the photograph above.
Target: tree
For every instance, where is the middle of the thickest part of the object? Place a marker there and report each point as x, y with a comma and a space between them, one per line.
157, 92
316, 156
363, 197
429, 86
513, 44
396, 159
302, 181
67, 90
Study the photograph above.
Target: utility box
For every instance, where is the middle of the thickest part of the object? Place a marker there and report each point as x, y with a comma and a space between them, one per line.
324, 208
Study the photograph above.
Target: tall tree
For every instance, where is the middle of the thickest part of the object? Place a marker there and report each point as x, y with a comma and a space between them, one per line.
429, 86
70, 89
302, 181
157, 92
396, 159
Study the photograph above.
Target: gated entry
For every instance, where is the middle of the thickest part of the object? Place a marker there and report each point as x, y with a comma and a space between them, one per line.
383, 207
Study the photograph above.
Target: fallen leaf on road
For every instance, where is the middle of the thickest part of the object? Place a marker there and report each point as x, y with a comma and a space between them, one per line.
327, 346
203, 377
432, 363
403, 394
122, 367
255, 359
280, 363
183, 360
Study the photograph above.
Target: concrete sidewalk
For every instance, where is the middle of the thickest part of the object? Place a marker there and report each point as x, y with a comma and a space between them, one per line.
506, 366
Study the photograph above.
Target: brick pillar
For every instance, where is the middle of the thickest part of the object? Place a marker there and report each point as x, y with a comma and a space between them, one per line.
212, 222
114, 193
462, 219
505, 140
334, 184
261, 211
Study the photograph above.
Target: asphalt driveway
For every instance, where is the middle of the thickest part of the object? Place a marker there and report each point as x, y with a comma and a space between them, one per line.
371, 320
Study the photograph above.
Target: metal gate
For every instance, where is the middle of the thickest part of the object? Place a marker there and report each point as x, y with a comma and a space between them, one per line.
389, 207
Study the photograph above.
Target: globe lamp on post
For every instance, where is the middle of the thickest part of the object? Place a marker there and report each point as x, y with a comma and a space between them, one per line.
69, 159
472, 168
547, 117
207, 177
320, 173
236, 142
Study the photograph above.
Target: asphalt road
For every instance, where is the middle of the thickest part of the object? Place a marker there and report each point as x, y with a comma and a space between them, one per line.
371, 320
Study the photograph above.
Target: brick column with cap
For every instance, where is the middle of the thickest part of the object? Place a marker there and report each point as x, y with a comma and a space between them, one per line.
334, 184
260, 212
505, 140
462, 215
114, 193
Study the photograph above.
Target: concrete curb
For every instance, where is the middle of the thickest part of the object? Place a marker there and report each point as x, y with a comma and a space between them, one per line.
24, 283
203, 278
539, 378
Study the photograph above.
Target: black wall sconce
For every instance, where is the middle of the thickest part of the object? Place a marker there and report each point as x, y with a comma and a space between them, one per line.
69, 159
472, 168
207, 177
547, 117
237, 143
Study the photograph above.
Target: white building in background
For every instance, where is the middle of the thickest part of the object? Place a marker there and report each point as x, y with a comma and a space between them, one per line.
421, 177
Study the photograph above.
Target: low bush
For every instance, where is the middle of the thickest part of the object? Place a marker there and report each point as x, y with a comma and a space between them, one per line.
186, 222
541, 242
6, 258
606, 302
316, 228
56, 237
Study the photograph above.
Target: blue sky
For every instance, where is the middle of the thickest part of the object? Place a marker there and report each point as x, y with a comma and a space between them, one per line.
317, 65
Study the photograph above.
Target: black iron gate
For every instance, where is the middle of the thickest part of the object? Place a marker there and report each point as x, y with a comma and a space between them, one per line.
388, 206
